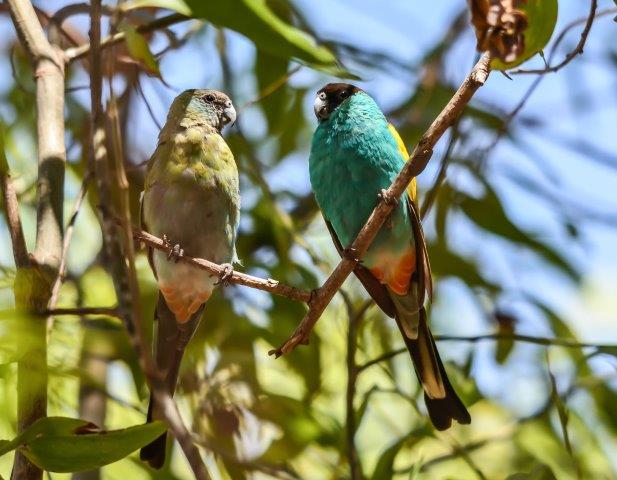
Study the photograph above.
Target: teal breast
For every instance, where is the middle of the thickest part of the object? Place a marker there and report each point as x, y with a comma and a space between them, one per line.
354, 156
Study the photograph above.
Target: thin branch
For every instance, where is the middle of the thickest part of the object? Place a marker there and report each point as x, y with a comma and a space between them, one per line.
431, 195
271, 88
578, 50
532, 88
355, 317
414, 166
267, 285
71, 54
81, 311
68, 236
545, 341
11, 209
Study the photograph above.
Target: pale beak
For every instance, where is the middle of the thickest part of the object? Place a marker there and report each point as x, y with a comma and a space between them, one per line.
229, 114
320, 106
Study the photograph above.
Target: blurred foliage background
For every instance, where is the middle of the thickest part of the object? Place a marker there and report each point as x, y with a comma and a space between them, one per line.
521, 235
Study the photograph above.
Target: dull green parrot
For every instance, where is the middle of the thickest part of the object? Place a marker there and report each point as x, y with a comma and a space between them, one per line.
355, 155
191, 199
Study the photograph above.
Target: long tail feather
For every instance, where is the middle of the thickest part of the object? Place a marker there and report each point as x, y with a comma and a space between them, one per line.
442, 402
171, 339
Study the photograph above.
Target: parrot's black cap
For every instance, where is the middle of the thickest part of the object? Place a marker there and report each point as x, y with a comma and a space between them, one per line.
331, 96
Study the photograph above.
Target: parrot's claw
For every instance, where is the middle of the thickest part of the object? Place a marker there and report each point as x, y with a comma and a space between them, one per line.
388, 199
351, 253
226, 274
175, 253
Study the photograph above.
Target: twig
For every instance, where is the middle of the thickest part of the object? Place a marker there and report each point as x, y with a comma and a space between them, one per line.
532, 88
546, 341
271, 88
415, 165
147, 103
431, 195
11, 208
68, 236
267, 285
563, 415
35, 289
71, 54
80, 311
355, 469
578, 50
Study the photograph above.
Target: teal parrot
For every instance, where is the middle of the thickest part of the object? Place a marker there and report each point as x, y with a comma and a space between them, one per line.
191, 198
355, 155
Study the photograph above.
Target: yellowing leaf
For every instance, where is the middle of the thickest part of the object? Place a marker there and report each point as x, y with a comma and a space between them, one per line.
139, 49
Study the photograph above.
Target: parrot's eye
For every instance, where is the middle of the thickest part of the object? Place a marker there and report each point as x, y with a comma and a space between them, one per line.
344, 94
210, 97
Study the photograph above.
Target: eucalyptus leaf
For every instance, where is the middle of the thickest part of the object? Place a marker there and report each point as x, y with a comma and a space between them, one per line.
61, 444
541, 21
258, 22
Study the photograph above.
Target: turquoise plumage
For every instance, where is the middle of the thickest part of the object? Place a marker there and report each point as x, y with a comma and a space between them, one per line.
353, 152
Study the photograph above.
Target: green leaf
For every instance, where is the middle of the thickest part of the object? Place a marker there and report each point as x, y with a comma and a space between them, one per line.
541, 19
384, 470
139, 49
541, 472
256, 20
179, 6
488, 213
61, 444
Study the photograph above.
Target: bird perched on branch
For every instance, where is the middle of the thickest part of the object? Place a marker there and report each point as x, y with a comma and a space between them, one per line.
191, 199
355, 156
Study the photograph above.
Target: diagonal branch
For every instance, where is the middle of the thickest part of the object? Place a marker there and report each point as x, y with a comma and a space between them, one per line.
414, 166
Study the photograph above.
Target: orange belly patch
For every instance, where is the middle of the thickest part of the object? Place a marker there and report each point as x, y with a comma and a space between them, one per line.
396, 273
181, 304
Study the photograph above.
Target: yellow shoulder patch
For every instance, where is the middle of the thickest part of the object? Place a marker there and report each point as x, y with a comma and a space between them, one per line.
411, 188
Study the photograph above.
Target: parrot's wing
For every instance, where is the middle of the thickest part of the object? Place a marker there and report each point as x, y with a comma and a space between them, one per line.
163, 148
377, 291
144, 227
423, 267
411, 188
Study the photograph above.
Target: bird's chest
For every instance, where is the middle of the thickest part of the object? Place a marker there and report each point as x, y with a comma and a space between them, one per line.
347, 179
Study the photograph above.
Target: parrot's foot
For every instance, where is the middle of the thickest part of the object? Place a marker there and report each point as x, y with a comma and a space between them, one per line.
175, 253
388, 199
351, 253
226, 274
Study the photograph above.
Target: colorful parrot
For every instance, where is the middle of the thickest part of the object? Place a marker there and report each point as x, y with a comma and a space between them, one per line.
355, 155
191, 198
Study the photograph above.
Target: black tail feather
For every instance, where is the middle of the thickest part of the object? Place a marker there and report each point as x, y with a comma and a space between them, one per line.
154, 452
171, 339
441, 410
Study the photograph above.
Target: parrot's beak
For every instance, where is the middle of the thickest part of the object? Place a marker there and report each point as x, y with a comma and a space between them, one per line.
320, 106
229, 114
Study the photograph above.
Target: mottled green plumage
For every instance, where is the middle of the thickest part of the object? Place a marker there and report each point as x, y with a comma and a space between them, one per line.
191, 196
355, 154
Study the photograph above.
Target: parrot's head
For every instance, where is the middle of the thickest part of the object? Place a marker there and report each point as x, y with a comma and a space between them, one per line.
330, 97
203, 106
